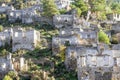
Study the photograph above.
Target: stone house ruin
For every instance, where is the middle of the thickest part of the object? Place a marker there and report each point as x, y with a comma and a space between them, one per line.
29, 16
7, 63
20, 64
114, 17
100, 66
20, 38
5, 8
67, 21
73, 52
5, 37
25, 39
15, 15
74, 37
93, 64
63, 40
25, 16
62, 21
68, 31
88, 37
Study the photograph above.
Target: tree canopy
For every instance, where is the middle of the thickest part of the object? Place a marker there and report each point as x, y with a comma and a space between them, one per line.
80, 6
49, 8
97, 5
115, 7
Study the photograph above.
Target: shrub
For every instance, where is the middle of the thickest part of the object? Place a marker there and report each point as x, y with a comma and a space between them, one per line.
12, 74
1, 28
7, 78
103, 37
62, 52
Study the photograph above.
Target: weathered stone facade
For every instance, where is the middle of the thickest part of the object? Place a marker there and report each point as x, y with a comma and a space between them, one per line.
5, 8
7, 63
24, 16
20, 38
20, 64
25, 39
114, 17
27, 15
93, 64
62, 40
68, 21
101, 66
5, 37
74, 37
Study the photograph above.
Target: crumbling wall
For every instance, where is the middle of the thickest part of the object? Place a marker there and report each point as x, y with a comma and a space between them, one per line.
24, 40
63, 40
106, 66
5, 38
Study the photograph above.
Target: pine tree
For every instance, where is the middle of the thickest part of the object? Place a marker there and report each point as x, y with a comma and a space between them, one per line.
49, 8
80, 6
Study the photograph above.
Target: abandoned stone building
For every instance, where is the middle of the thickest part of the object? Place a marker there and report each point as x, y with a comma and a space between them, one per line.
114, 17
63, 40
5, 37
25, 39
25, 16
20, 64
20, 38
61, 21
99, 66
29, 16
88, 37
67, 21
15, 15
74, 37
7, 63
93, 64
5, 8
73, 52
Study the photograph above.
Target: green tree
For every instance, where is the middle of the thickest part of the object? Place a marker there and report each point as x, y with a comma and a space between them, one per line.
80, 6
49, 8
99, 8
7, 78
97, 5
115, 7
103, 37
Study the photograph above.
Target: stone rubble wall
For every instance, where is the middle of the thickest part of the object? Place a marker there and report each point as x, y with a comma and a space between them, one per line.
20, 39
